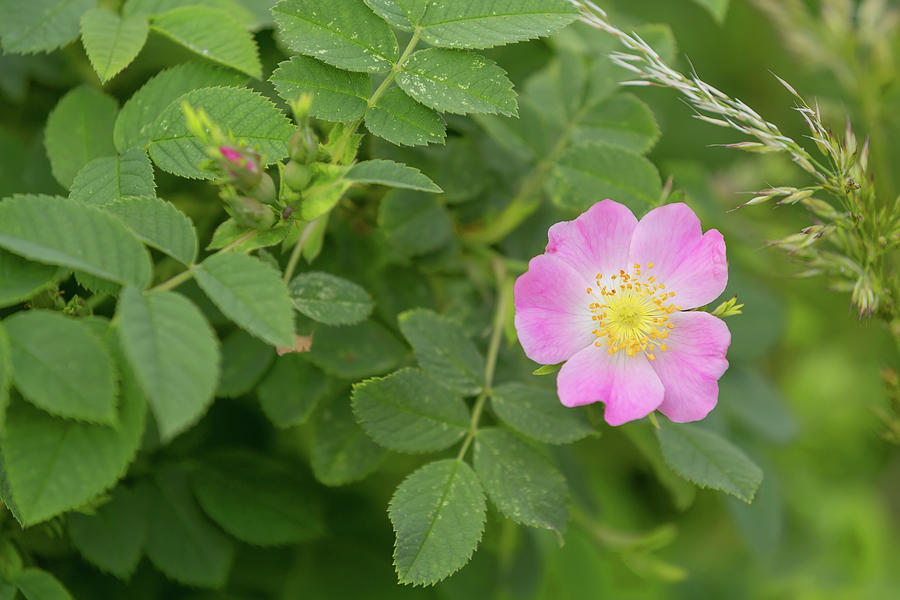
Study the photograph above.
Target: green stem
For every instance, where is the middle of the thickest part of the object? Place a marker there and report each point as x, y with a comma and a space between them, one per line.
298, 249
177, 280
504, 293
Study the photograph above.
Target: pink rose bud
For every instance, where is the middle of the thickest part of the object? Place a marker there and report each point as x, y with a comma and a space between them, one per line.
242, 166
612, 295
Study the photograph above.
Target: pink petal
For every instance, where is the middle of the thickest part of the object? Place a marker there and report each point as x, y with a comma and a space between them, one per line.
692, 364
626, 384
685, 260
597, 241
552, 315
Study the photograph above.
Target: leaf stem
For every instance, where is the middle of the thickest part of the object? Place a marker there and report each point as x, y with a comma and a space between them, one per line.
503, 297
177, 280
298, 249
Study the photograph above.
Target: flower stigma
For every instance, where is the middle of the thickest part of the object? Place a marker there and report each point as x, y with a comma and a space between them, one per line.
631, 312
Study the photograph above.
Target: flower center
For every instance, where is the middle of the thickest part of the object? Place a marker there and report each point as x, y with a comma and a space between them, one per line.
631, 312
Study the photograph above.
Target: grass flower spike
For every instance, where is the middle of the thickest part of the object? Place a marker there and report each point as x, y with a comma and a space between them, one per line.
612, 295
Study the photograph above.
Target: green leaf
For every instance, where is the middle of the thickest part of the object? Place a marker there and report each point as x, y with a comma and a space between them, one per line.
39, 25
408, 411
458, 82
537, 413
53, 465
489, 23
61, 366
20, 279
113, 537
329, 299
585, 173
343, 33
325, 190
438, 514
174, 355
337, 95
717, 8
79, 129
213, 34
708, 460
246, 114
104, 180
356, 351
153, 8
291, 390
402, 14
182, 543
6, 373
257, 500
62, 232
135, 121
250, 293
391, 174
401, 120
159, 224
415, 223
341, 452
621, 120
643, 437
36, 584
110, 41
229, 232
523, 484
245, 360
443, 350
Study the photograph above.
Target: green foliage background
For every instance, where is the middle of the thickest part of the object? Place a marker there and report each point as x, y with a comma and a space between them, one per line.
800, 398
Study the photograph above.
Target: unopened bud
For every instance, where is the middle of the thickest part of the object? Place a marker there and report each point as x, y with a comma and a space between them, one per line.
304, 145
264, 190
251, 213
241, 166
297, 176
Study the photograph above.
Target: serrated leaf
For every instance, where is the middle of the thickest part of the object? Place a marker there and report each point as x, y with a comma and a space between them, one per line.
356, 351
6, 373
61, 366
36, 584
343, 33
523, 484
408, 411
340, 451
391, 174
159, 224
182, 543
20, 278
154, 8
438, 515
40, 25
489, 23
537, 413
416, 224
330, 299
443, 350
79, 129
110, 41
338, 95
243, 112
257, 500
621, 120
245, 359
53, 465
59, 231
717, 8
587, 172
104, 180
402, 14
458, 82
213, 34
174, 355
291, 390
401, 120
135, 121
113, 537
708, 460
250, 293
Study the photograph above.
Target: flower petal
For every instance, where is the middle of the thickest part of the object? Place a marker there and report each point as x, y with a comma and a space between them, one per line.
552, 315
691, 366
626, 384
686, 260
597, 241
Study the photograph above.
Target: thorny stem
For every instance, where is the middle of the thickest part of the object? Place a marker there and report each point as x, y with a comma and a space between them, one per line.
503, 297
177, 280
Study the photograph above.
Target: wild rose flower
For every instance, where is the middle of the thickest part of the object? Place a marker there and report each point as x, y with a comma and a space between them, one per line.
610, 296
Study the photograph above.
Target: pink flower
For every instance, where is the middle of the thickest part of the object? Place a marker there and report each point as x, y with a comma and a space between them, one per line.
610, 297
